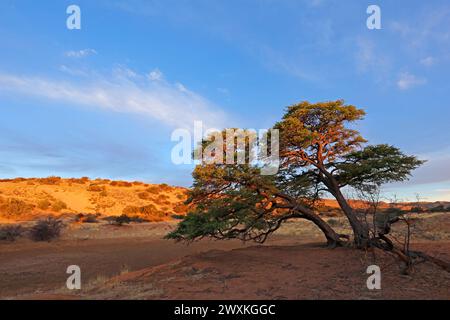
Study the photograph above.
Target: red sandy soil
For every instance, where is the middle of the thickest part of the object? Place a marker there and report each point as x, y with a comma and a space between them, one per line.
133, 262
307, 271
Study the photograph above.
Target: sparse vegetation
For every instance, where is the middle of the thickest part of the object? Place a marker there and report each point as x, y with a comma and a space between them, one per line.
15, 207
121, 184
59, 205
50, 180
96, 188
87, 218
11, 232
46, 229
44, 204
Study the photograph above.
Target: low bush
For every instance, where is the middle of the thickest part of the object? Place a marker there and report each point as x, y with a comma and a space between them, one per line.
46, 229
50, 180
96, 188
87, 218
44, 204
121, 184
59, 205
153, 189
144, 195
11, 232
15, 207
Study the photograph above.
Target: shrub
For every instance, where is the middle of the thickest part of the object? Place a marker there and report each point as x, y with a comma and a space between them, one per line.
46, 229
50, 180
417, 209
439, 208
44, 204
153, 189
181, 208
121, 184
15, 207
181, 196
87, 218
144, 195
148, 210
145, 210
177, 216
130, 210
58, 206
96, 188
11, 232
123, 219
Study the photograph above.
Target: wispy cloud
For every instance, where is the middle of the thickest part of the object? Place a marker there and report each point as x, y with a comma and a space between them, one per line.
124, 90
428, 61
80, 53
407, 81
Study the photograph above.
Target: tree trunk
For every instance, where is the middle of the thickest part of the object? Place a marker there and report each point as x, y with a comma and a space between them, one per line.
360, 230
333, 238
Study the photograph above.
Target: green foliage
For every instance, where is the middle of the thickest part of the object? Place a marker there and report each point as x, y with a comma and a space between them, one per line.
320, 152
378, 164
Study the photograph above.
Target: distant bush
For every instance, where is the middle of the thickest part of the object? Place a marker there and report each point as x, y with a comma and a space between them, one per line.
147, 210
96, 188
77, 181
181, 196
439, 208
144, 195
123, 219
130, 210
121, 184
153, 189
44, 204
87, 218
59, 205
46, 229
50, 180
15, 207
177, 216
11, 232
181, 208
417, 209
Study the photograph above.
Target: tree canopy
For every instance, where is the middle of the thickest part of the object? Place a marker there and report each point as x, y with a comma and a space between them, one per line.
320, 153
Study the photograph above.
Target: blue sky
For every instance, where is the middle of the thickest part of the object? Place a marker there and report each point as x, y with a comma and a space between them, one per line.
102, 101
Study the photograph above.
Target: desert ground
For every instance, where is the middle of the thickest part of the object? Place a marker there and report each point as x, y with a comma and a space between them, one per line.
133, 261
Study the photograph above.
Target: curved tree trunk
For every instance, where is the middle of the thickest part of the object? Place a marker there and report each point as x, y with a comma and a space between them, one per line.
360, 230
333, 238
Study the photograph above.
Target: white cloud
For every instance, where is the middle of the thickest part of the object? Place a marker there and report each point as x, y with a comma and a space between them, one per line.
428, 61
80, 53
155, 75
407, 81
124, 91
